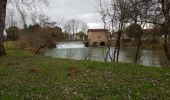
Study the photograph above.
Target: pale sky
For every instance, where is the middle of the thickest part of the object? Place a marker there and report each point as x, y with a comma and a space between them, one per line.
84, 10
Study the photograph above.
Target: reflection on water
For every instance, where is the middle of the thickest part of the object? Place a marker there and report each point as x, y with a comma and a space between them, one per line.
77, 51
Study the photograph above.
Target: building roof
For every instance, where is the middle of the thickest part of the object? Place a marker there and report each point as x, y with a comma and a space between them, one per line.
97, 30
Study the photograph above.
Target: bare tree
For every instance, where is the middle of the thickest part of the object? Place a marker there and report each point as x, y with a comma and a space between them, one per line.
43, 19
113, 15
3, 5
165, 5
83, 27
160, 16
27, 10
137, 12
120, 7
104, 11
74, 26
34, 17
23, 15
154, 12
10, 19
67, 29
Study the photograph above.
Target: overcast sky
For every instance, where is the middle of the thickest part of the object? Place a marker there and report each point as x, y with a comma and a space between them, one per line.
84, 10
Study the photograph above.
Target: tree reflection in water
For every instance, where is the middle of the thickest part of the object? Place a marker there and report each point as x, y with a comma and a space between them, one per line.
147, 57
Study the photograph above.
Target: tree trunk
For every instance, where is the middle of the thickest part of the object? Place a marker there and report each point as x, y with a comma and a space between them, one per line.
167, 30
39, 49
3, 4
117, 49
118, 46
138, 50
108, 47
167, 40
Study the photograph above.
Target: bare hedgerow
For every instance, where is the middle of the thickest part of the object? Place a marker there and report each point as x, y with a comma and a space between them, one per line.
37, 38
22, 41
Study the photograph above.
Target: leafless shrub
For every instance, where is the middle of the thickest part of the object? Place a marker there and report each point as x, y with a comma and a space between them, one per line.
23, 41
37, 38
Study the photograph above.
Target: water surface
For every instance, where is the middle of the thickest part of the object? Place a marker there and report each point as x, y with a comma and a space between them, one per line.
77, 51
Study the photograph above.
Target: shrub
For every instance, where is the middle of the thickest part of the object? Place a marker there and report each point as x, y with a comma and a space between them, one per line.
37, 38
23, 42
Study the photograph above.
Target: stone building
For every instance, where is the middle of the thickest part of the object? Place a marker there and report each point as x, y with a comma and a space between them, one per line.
97, 37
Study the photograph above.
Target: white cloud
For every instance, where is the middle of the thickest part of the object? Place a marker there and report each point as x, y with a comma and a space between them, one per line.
84, 10
95, 25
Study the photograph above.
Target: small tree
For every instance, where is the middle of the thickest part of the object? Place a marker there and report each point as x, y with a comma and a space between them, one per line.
80, 35
137, 12
12, 33
114, 17
136, 31
38, 38
41, 38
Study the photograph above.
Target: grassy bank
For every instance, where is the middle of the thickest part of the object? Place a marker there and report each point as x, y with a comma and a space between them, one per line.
26, 76
145, 45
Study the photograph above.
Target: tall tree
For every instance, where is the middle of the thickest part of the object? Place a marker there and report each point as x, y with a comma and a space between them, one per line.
166, 12
3, 4
161, 16
74, 26
120, 7
104, 11
114, 17
137, 11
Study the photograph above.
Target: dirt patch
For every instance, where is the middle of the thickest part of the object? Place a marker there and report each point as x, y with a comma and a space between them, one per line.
73, 72
33, 70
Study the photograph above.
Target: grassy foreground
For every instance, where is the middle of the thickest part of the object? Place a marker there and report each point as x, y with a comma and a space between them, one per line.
26, 76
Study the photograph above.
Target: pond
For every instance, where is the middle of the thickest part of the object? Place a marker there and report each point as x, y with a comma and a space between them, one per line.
77, 51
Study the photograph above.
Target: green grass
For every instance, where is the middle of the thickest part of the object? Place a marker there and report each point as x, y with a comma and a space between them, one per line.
27, 76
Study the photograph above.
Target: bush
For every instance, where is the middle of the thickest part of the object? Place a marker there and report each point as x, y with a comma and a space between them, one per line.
23, 42
37, 38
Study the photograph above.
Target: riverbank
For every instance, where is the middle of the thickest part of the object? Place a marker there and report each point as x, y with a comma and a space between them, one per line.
157, 45
27, 76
